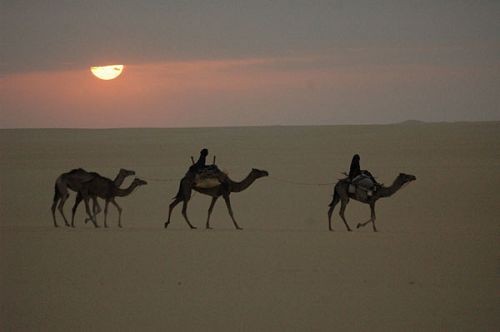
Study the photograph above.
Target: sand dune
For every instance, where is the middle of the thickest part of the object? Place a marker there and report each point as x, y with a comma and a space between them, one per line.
432, 266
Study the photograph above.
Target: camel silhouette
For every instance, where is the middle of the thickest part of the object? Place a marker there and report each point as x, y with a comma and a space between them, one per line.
96, 209
214, 188
74, 180
106, 189
341, 194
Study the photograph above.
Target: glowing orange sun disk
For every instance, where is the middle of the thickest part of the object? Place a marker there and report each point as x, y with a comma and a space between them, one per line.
107, 72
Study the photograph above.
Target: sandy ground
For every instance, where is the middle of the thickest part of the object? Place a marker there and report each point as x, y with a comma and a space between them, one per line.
434, 265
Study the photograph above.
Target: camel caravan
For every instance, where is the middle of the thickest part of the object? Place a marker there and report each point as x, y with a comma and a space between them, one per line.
358, 184
90, 185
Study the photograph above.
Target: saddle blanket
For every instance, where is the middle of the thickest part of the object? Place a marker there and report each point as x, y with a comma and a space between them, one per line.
206, 183
209, 177
362, 182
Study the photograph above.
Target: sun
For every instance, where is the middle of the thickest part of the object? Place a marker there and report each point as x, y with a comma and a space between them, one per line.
107, 72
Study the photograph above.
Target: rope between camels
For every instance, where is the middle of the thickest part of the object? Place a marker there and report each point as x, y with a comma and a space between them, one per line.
301, 183
270, 177
160, 180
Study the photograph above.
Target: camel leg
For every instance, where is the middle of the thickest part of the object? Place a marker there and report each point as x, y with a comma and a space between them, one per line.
372, 218
106, 213
332, 205
60, 194
61, 206
372, 208
91, 217
183, 195
230, 210
119, 212
214, 199
171, 208
363, 224
343, 205
184, 213
53, 208
96, 207
78, 199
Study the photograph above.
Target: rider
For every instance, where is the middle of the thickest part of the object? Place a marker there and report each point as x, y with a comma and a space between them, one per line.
200, 164
355, 171
200, 169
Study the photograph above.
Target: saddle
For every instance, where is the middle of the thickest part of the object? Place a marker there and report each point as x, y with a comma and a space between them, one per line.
363, 184
209, 177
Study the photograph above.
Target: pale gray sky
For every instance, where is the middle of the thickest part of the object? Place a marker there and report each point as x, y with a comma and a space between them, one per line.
322, 61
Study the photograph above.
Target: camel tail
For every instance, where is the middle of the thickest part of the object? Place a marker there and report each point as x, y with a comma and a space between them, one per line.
179, 192
335, 199
58, 186
56, 194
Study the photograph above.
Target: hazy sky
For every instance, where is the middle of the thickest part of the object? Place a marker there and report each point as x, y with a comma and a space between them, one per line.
225, 63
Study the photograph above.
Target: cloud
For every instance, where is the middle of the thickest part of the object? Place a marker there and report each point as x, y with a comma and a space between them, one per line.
308, 89
74, 35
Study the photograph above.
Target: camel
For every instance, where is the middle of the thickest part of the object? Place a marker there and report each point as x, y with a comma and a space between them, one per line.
96, 209
217, 190
74, 180
342, 195
106, 189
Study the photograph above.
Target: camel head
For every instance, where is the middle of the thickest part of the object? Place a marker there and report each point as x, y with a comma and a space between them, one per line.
404, 179
125, 172
139, 182
259, 173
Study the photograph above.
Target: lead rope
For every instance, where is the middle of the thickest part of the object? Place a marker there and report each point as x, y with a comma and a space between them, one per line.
270, 177
301, 183
160, 180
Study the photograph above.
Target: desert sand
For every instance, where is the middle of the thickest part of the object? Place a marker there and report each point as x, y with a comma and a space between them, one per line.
433, 265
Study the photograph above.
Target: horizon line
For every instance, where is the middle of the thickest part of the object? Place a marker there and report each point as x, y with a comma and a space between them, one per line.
405, 122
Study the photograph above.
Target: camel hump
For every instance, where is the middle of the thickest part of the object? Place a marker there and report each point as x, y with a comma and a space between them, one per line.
87, 177
77, 173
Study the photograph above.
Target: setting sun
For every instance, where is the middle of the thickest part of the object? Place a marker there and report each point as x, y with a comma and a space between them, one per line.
107, 72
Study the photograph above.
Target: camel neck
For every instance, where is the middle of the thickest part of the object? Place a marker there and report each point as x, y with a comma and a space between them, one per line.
393, 188
124, 192
119, 179
243, 184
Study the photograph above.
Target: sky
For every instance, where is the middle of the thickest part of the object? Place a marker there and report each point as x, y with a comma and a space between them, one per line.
247, 63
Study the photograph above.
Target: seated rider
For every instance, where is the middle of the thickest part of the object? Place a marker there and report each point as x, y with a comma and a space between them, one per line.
200, 170
200, 164
356, 175
355, 169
